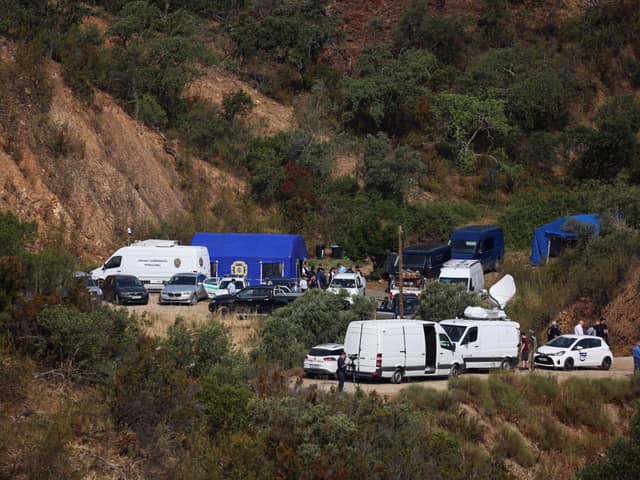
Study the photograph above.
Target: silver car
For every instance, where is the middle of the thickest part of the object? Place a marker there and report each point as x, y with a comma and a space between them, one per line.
185, 288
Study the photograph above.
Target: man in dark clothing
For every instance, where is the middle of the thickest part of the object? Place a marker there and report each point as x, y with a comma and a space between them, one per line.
342, 370
321, 278
601, 330
553, 331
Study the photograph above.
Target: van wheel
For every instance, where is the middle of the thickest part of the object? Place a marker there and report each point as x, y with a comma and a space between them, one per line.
506, 364
397, 376
568, 364
455, 371
606, 363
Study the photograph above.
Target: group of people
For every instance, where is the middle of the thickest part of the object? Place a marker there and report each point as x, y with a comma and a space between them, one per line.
310, 277
598, 329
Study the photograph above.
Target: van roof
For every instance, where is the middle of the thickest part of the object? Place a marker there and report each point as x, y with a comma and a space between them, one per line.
460, 263
468, 322
425, 247
384, 323
473, 232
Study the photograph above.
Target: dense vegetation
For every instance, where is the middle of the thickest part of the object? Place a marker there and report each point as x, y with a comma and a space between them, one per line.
84, 390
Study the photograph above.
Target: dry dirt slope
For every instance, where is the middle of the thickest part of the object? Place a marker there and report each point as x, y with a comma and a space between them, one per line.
114, 171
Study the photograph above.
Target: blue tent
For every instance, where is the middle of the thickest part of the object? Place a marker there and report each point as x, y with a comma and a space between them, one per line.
543, 236
258, 256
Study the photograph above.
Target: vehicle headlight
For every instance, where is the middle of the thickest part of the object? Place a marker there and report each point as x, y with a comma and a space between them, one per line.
556, 354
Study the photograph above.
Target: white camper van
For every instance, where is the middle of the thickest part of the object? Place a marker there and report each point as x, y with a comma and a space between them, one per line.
466, 272
396, 349
486, 338
155, 262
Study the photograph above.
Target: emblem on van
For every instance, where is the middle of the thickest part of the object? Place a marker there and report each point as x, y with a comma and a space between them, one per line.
177, 262
239, 268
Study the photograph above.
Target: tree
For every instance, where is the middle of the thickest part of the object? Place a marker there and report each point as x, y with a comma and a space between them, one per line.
612, 146
467, 120
440, 301
387, 170
15, 235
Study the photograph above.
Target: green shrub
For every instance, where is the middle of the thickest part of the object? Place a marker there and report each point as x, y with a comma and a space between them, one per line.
316, 317
473, 391
426, 399
441, 301
581, 404
511, 444
506, 396
224, 405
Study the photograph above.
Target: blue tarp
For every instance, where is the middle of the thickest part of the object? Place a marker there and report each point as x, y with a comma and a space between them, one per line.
542, 235
259, 252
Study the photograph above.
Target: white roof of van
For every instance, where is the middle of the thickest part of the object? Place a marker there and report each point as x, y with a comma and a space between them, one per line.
155, 242
469, 321
480, 313
390, 322
459, 263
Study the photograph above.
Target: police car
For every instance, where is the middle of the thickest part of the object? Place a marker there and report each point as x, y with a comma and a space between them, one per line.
572, 351
322, 360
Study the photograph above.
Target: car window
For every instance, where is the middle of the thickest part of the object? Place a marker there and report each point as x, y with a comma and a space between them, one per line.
584, 343
321, 352
128, 282
247, 292
454, 331
445, 342
561, 342
594, 343
182, 280
211, 281
239, 285
113, 262
261, 292
472, 336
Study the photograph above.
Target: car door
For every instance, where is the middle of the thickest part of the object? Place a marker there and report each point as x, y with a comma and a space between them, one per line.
596, 352
582, 353
201, 291
244, 299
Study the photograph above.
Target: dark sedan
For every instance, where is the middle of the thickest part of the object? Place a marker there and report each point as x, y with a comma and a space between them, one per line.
124, 289
259, 299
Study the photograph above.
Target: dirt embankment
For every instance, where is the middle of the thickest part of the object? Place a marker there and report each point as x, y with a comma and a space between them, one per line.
93, 170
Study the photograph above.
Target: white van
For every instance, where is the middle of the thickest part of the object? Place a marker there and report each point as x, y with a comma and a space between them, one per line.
353, 283
485, 337
154, 265
401, 348
485, 343
466, 272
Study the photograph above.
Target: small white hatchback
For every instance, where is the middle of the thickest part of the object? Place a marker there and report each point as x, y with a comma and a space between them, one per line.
572, 351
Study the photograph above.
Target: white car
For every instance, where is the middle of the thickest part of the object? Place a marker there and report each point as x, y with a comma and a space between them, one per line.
571, 351
223, 287
353, 283
322, 360
211, 285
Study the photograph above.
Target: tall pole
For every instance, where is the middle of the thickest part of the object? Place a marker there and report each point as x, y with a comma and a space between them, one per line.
400, 276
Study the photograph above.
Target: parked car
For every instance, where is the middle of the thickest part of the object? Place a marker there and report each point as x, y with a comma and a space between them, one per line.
211, 285
184, 288
124, 289
223, 289
390, 307
95, 292
353, 283
572, 351
258, 299
322, 360
426, 259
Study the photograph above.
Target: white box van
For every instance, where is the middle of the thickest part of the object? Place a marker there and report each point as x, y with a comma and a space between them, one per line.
155, 265
485, 343
401, 348
485, 337
467, 272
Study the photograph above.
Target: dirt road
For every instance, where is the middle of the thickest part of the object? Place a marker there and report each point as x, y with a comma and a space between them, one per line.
622, 368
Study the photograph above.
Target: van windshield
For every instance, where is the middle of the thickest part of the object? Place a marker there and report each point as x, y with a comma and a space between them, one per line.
464, 246
454, 331
129, 282
343, 283
462, 281
182, 280
412, 260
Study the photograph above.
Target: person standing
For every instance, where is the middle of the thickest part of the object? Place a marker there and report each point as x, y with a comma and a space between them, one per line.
342, 370
553, 331
231, 287
524, 351
591, 330
602, 331
332, 273
635, 351
341, 268
321, 278
303, 284
579, 328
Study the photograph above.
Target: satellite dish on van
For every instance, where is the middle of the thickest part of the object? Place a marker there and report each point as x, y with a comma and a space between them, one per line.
503, 290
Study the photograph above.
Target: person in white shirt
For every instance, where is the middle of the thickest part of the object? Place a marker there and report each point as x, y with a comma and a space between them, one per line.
579, 328
232, 288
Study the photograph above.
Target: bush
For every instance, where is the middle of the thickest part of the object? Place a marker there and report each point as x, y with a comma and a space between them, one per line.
224, 405
316, 317
511, 444
440, 301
